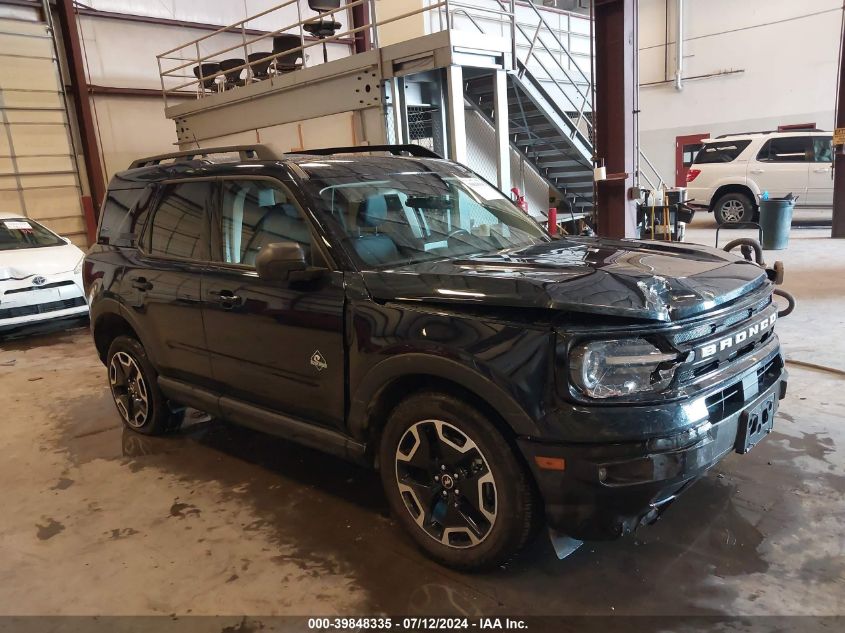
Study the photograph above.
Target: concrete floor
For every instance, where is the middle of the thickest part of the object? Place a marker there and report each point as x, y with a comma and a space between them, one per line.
223, 520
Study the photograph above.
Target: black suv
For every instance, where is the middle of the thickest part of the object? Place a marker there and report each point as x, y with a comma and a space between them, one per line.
396, 309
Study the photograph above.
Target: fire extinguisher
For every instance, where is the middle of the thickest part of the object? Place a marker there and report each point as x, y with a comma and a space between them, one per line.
519, 199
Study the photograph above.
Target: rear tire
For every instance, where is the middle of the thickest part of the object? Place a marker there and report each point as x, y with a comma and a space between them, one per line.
454, 483
133, 381
733, 208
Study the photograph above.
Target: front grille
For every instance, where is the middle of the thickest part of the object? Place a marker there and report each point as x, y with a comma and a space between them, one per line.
732, 398
57, 284
721, 324
41, 308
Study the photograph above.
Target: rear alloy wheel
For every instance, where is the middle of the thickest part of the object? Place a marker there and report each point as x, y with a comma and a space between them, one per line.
133, 383
455, 483
733, 208
129, 390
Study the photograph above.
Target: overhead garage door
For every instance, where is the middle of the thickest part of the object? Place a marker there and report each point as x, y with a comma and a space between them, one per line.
38, 172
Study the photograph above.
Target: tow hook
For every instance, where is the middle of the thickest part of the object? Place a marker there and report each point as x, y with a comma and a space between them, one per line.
749, 246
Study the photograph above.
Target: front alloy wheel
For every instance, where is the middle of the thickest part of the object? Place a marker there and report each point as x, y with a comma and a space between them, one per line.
455, 483
129, 390
446, 484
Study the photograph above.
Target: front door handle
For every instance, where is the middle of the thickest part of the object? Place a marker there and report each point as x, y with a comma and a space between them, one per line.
140, 283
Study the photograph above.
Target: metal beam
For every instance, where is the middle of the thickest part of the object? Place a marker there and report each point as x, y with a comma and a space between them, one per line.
457, 114
615, 112
82, 103
838, 230
500, 116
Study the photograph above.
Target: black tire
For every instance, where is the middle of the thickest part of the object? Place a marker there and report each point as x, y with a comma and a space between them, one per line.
732, 208
498, 501
142, 406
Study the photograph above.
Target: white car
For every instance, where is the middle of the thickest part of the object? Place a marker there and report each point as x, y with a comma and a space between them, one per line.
730, 173
40, 275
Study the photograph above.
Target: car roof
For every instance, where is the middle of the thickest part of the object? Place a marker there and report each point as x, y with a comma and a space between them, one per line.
4, 215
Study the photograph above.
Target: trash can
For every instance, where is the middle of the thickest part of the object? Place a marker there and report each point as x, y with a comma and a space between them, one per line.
776, 221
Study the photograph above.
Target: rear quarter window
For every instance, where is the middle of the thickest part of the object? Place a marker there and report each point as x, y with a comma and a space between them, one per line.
720, 152
123, 216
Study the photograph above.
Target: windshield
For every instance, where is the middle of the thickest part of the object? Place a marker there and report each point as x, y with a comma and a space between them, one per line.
23, 233
390, 212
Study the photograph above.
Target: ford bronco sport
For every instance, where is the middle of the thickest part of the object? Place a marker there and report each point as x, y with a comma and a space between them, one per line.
396, 309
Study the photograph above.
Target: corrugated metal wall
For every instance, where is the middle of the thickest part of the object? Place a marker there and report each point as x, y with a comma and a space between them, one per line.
38, 168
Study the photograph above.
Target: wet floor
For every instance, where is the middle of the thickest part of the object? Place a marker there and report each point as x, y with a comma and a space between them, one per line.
223, 520
221, 517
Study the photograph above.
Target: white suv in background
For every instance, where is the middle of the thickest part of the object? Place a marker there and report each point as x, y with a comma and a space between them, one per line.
731, 172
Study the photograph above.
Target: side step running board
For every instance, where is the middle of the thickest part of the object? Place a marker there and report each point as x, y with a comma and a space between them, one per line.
260, 419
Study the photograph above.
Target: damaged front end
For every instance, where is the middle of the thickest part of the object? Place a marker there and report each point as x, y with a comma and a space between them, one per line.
646, 411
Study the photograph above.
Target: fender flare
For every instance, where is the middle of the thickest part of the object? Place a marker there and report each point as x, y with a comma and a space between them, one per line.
387, 371
744, 183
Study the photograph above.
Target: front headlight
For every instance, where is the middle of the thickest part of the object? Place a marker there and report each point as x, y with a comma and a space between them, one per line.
613, 369
78, 268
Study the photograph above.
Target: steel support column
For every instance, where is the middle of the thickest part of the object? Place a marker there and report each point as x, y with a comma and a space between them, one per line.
457, 114
82, 102
615, 113
361, 18
500, 115
839, 150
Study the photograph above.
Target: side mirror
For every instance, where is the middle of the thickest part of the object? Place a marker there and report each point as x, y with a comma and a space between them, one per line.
275, 262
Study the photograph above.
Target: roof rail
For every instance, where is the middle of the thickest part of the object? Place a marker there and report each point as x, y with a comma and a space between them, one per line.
417, 151
246, 152
778, 131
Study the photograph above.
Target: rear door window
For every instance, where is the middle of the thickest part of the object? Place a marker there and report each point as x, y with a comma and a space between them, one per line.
179, 227
786, 149
720, 152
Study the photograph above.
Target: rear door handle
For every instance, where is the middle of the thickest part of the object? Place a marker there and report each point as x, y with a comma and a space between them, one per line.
140, 283
757, 171
823, 170
226, 298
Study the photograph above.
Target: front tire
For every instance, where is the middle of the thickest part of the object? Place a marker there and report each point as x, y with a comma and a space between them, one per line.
142, 406
733, 208
454, 483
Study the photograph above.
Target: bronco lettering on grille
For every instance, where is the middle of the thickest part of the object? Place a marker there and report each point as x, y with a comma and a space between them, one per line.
738, 338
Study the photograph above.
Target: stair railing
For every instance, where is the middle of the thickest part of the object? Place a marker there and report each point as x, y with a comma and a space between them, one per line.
584, 98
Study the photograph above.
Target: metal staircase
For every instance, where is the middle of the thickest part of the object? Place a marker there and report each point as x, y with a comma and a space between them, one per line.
549, 109
541, 133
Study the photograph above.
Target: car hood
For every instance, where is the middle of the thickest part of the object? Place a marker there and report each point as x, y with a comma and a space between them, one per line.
627, 278
47, 260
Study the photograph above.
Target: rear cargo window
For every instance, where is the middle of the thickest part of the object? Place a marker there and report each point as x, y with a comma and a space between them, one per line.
722, 152
123, 216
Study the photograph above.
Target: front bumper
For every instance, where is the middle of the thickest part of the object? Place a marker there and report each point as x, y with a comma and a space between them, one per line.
608, 490
23, 303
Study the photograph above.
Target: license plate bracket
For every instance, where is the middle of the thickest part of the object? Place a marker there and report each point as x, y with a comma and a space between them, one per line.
755, 423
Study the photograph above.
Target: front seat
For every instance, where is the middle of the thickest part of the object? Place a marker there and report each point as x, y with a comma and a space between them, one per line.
280, 222
374, 247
